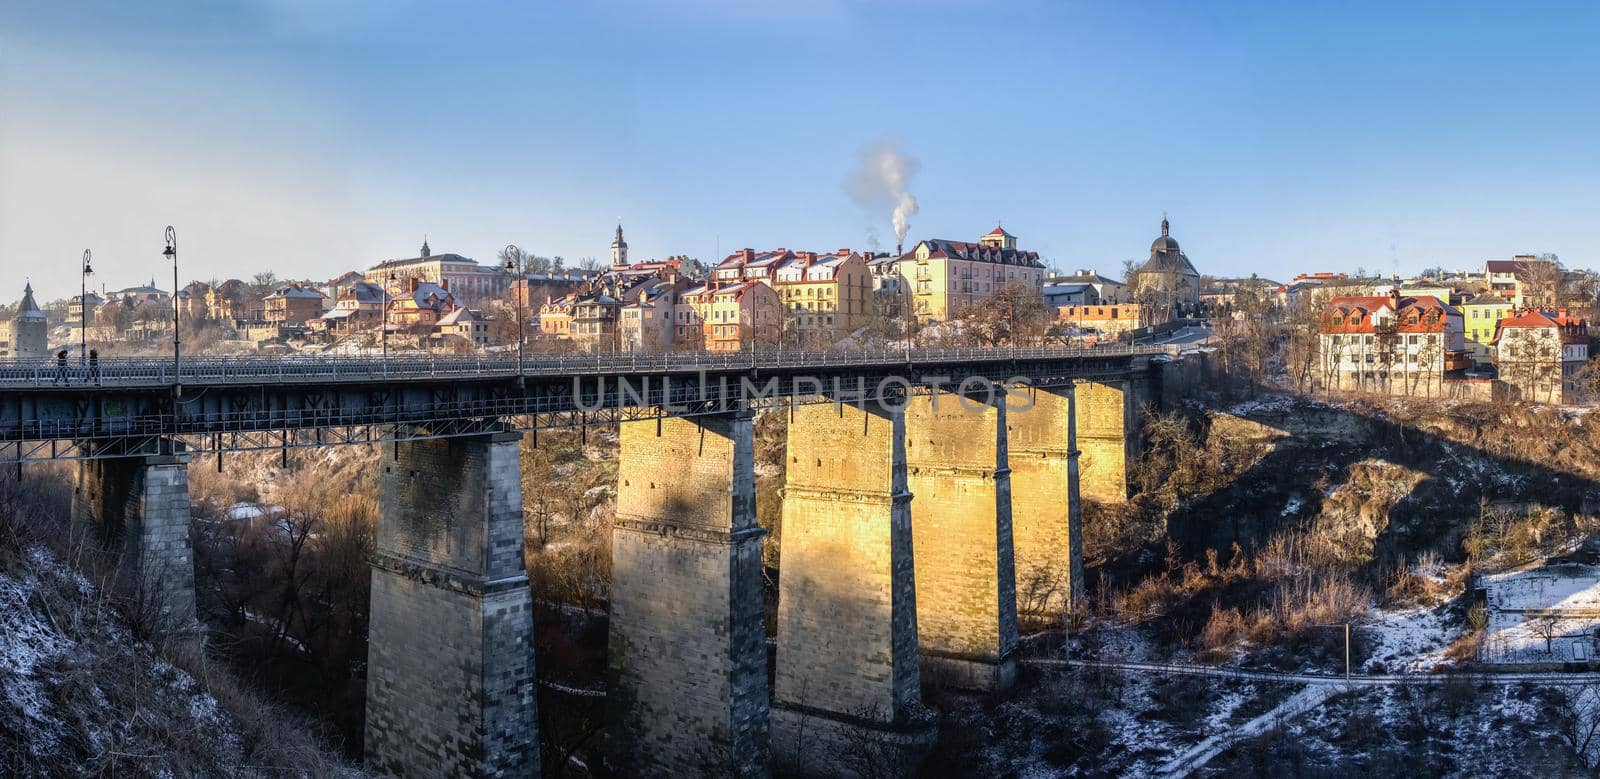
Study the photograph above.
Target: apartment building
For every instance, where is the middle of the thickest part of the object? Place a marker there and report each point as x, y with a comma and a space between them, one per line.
727, 317
946, 276
1481, 317
1390, 343
464, 277
291, 304
1537, 354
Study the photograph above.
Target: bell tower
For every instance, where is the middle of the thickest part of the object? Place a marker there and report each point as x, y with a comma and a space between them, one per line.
619, 250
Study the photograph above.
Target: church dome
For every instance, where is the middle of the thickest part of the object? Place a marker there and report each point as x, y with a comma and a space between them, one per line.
1165, 243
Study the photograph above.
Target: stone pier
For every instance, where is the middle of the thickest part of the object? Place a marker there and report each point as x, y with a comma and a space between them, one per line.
1110, 415
139, 506
1047, 520
687, 661
956, 458
848, 697
450, 677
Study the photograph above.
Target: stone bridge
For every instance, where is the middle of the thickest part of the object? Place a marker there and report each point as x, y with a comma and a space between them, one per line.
929, 496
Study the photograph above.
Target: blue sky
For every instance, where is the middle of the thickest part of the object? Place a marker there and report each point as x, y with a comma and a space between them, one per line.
309, 137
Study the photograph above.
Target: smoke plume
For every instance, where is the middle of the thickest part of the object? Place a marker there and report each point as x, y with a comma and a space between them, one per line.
882, 181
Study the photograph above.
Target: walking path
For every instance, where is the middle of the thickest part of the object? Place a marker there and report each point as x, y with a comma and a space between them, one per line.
1318, 688
1358, 680
1189, 761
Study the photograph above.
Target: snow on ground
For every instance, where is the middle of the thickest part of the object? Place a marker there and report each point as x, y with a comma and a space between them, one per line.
1549, 614
1303, 700
1120, 642
1408, 639
1551, 587
1408, 730
1222, 709
239, 512
1267, 404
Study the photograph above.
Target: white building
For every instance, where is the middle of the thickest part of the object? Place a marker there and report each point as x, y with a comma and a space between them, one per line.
1390, 343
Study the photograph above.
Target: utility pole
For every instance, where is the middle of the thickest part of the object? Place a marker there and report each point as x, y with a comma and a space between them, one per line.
1347, 652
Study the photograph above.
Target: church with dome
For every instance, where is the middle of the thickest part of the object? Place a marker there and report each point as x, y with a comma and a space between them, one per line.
1168, 277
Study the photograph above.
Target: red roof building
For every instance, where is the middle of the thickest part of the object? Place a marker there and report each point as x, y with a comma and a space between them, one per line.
1399, 344
1537, 354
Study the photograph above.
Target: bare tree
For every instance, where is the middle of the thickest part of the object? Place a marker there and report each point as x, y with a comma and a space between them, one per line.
1545, 628
1577, 716
1541, 281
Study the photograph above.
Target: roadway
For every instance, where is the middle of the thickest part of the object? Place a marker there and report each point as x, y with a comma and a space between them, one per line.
136, 372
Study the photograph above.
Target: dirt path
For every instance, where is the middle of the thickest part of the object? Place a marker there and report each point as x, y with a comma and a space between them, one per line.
1317, 689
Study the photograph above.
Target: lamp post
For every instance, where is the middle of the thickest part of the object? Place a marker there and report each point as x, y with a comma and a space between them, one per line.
514, 263
383, 321
171, 253
83, 308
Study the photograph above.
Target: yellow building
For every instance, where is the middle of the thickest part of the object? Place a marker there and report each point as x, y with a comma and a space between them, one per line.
1482, 316
726, 317
945, 277
555, 317
1106, 321
824, 296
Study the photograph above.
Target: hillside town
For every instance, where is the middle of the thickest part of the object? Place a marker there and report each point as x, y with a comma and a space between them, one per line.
1516, 328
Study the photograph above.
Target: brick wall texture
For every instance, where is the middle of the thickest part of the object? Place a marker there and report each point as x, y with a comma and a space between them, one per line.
687, 659
847, 602
1046, 523
956, 460
450, 677
1108, 434
141, 505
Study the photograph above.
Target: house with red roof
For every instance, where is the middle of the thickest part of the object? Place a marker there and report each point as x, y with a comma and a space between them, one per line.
1537, 354
1395, 344
1519, 279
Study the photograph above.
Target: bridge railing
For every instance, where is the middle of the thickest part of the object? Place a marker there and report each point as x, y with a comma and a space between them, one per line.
205, 370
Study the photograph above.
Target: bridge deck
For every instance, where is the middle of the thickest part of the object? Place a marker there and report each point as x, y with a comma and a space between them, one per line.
233, 404
206, 370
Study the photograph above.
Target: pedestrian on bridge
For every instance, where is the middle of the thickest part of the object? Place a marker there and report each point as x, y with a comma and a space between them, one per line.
94, 366
61, 367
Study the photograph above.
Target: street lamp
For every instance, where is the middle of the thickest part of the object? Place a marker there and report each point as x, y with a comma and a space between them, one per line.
83, 308
383, 321
514, 263
171, 253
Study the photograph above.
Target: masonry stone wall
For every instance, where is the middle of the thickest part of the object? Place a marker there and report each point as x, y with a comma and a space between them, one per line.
450, 677
140, 506
847, 665
1046, 522
687, 660
957, 467
1108, 436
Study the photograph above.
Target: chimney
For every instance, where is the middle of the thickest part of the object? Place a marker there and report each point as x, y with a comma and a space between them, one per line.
899, 249
747, 255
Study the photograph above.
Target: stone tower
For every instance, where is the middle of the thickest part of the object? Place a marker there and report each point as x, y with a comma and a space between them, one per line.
28, 331
619, 250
